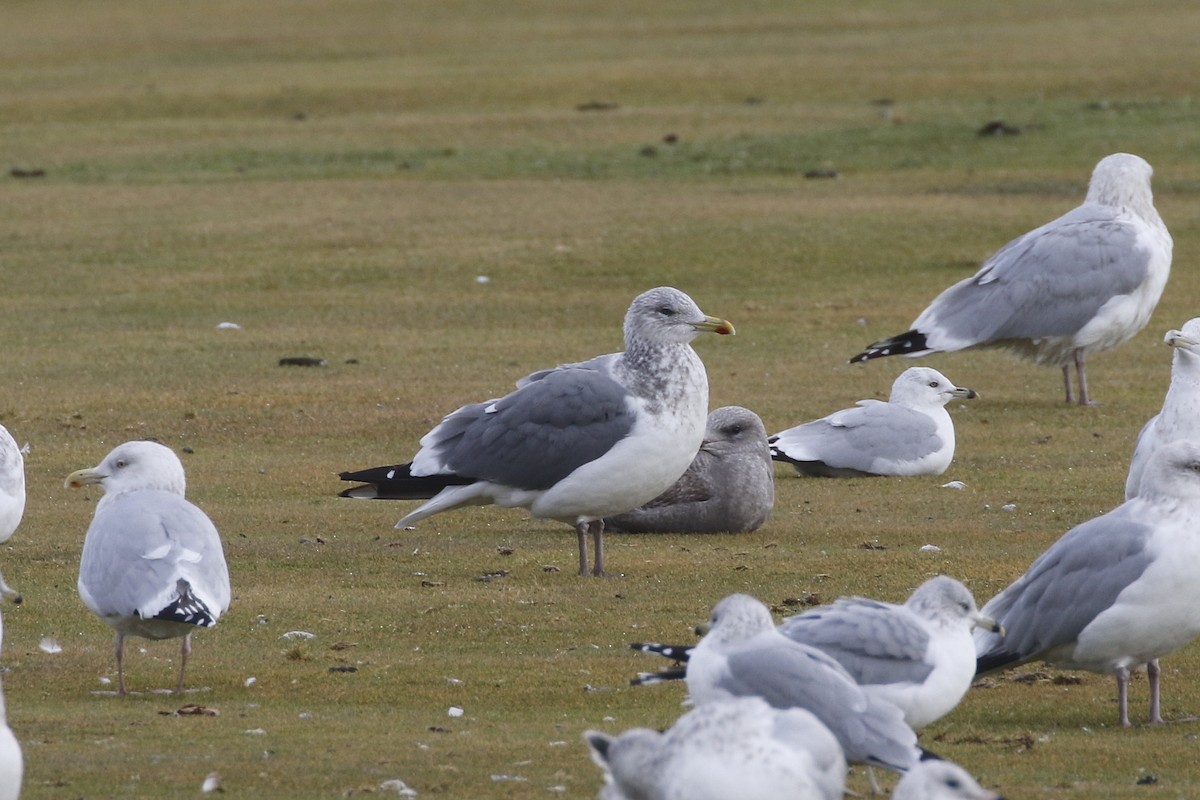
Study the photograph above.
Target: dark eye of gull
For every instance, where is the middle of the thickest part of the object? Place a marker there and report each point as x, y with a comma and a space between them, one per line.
666, 311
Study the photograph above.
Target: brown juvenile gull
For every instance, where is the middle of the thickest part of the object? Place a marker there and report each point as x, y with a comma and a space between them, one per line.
729, 488
575, 443
152, 563
910, 434
1086, 282
1114, 593
740, 747
1180, 414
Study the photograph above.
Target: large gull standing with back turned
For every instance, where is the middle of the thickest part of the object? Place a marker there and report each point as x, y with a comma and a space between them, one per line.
575, 443
910, 434
1086, 282
152, 563
1180, 414
1114, 593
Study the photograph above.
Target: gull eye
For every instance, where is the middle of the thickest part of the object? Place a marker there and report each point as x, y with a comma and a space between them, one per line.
666, 311
934, 384
954, 783
122, 463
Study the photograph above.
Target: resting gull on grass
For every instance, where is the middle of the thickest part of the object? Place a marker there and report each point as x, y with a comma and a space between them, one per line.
919, 656
940, 780
734, 748
744, 655
576, 443
12, 497
910, 434
1116, 592
1084, 283
730, 486
152, 563
1180, 414
12, 764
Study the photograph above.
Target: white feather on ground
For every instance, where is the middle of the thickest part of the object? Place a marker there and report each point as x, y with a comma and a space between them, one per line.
1116, 592
1180, 414
1086, 282
910, 434
152, 563
734, 748
576, 443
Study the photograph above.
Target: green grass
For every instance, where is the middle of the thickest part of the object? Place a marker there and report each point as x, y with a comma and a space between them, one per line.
334, 177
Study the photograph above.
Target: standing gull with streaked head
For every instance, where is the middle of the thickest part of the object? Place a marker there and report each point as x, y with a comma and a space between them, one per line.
152, 563
575, 443
1086, 282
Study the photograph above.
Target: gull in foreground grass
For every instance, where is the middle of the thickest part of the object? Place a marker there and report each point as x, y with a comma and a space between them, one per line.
576, 443
744, 655
1114, 593
940, 780
734, 748
729, 487
910, 434
12, 497
152, 563
12, 763
1180, 414
1084, 283
919, 656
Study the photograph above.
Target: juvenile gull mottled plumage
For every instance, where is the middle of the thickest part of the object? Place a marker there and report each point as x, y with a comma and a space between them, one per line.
576, 443
1084, 283
1180, 414
940, 780
152, 563
12, 763
1116, 592
910, 434
919, 656
729, 487
744, 655
12, 496
733, 748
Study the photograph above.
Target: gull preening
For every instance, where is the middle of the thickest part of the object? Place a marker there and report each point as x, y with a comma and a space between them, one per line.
152, 563
576, 443
1086, 282
733, 748
1180, 414
729, 487
12, 497
910, 434
1114, 593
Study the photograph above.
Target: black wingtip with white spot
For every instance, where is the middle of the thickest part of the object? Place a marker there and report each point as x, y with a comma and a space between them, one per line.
397, 483
187, 608
679, 653
909, 342
651, 678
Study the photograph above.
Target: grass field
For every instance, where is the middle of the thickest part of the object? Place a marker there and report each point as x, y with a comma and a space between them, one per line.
335, 177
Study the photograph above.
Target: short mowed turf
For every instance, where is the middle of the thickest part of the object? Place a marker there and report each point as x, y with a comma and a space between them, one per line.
436, 198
